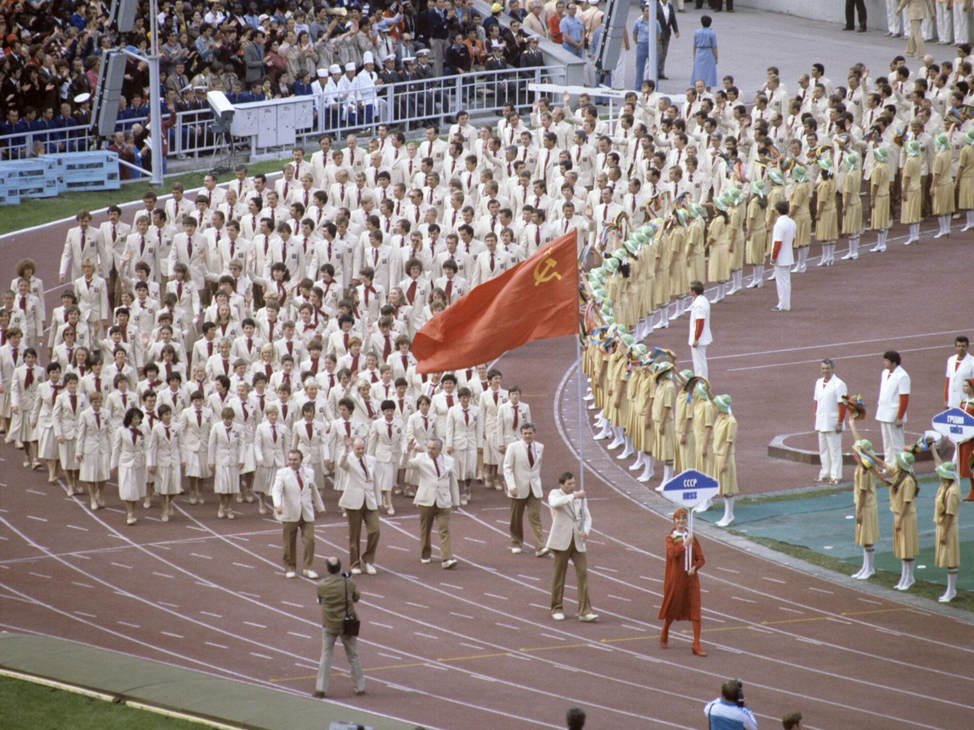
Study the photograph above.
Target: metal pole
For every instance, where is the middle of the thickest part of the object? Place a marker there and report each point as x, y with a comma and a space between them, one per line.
155, 103
653, 40
581, 403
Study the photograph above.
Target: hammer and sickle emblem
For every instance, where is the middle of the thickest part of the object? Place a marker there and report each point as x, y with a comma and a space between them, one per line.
543, 271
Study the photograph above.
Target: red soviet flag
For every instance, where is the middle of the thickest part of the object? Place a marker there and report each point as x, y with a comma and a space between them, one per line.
534, 300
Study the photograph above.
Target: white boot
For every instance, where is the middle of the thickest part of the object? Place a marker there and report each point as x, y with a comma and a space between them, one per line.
628, 451
618, 441
704, 506
753, 283
865, 563
868, 571
907, 580
944, 226
664, 319
667, 471
640, 461
904, 571
760, 275
880, 243
728, 519
798, 263
850, 253
605, 432
951, 592
824, 261
970, 222
648, 471
803, 257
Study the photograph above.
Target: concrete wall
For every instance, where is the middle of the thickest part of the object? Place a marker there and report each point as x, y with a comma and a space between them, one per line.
832, 11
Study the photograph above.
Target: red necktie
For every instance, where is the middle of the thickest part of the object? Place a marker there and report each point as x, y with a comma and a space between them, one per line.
141, 245
466, 417
515, 419
98, 421
226, 367
496, 396
308, 426
97, 384
348, 429
364, 468
449, 290
411, 292
300, 480
402, 408
449, 401
243, 407
29, 379
492, 262
179, 290
390, 429
74, 403
426, 423
274, 432
368, 405
437, 466
167, 433
531, 455
23, 302
199, 418
135, 436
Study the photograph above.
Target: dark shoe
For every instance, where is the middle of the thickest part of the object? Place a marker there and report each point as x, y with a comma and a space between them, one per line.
664, 78
318, 695
861, 30
848, 27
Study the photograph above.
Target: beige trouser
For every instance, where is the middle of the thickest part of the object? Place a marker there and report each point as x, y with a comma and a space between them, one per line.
328, 637
442, 517
914, 44
355, 519
581, 579
291, 540
533, 506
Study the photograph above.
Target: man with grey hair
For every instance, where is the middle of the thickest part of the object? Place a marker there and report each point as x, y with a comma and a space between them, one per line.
437, 494
829, 417
360, 500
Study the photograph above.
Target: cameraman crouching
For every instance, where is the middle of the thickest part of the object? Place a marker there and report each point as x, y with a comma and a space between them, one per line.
728, 712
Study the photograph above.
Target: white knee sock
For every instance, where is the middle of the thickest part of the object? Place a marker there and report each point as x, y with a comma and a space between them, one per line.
728, 517
951, 586
970, 218
904, 572
667, 471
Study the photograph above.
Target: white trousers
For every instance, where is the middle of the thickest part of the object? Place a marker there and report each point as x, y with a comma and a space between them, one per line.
892, 441
782, 280
962, 24
700, 361
893, 19
945, 23
830, 453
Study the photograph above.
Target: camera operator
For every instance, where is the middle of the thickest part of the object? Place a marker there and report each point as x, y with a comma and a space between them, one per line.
337, 595
729, 711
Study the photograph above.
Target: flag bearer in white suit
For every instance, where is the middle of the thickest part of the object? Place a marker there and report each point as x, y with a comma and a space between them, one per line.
829, 417
522, 471
894, 397
464, 437
436, 495
165, 459
94, 449
68, 409
295, 503
571, 524
226, 460
270, 450
128, 457
360, 501
385, 446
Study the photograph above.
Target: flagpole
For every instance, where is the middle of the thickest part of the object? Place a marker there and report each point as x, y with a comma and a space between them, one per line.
581, 402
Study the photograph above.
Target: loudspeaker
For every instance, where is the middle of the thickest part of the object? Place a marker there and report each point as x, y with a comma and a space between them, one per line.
112, 77
610, 41
123, 13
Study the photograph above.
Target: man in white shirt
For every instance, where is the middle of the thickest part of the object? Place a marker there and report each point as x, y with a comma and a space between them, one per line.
894, 397
960, 367
829, 415
782, 256
700, 335
571, 524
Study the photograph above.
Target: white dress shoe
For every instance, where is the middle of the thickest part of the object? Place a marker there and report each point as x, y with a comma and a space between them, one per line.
356, 571
370, 569
290, 574
516, 551
309, 574
447, 564
589, 618
558, 616
425, 561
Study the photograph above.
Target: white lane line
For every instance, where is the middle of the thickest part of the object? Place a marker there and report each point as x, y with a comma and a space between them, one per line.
200, 529
215, 645
791, 610
636, 628
473, 539
75, 527
257, 626
39, 575
417, 605
300, 636
611, 570
427, 636
528, 577
372, 595
252, 595
122, 565
289, 603
163, 575
773, 580
820, 590
376, 623
655, 580
396, 547
728, 570
833, 345
507, 626
620, 598
866, 600
389, 656
171, 605
198, 555
449, 585
126, 623
36, 491
83, 557
746, 600
262, 656
244, 565
836, 357
86, 615
553, 636
494, 595
209, 613
39, 519
305, 665
472, 646
169, 633
461, 615
81, 585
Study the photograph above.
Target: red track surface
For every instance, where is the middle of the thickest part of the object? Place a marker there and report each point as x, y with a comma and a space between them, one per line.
475, 647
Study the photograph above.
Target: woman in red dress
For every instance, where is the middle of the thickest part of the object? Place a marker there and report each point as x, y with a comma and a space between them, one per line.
681, 587
966, 448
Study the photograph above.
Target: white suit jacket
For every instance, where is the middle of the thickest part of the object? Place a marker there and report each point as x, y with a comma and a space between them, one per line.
569, 518
360, 489
518, 471
298, 503
441, 491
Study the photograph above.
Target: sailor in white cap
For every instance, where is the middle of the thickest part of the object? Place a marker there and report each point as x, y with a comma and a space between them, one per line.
318, 87
365, 86
332, 95
82, 98
349, 98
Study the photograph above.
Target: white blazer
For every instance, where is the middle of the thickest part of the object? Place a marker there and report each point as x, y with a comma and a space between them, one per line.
298, 503
441, 491
360, 488
272, 453
569, 518
518, 472
164, 452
